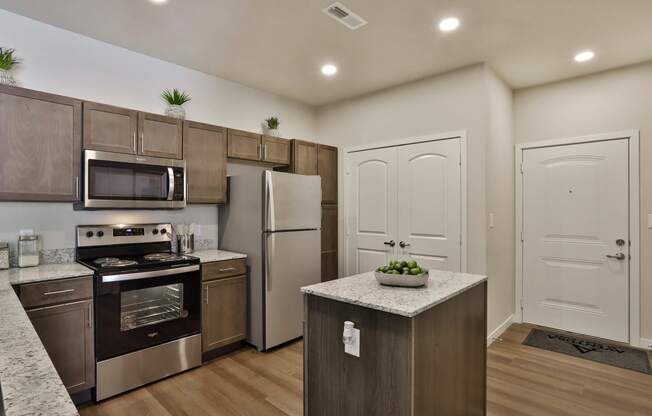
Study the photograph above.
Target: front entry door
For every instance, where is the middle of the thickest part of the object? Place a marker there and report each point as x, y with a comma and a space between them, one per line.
576, 238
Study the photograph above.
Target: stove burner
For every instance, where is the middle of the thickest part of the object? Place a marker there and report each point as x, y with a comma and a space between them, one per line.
162, 257
114, 262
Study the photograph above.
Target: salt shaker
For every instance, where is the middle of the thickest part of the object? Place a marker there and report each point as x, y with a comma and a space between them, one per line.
28, 250
4, 255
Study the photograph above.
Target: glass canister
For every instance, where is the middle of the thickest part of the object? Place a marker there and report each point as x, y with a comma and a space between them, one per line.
4, 255
28, 250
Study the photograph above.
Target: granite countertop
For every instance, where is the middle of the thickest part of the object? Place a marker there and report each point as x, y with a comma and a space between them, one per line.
364, 290
208, 256
43, 273
30, 383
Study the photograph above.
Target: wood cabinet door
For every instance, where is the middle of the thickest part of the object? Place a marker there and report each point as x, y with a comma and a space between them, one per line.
276, 150
329, 242
110, 129
244, 145
224, 314
66, 332
160, 136
327, 167
40, 146
304, 157
204, 148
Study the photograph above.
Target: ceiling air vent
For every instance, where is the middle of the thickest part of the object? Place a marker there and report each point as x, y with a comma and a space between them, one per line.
342, 14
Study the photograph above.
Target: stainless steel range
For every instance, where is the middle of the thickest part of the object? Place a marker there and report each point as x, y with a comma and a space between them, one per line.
147, 305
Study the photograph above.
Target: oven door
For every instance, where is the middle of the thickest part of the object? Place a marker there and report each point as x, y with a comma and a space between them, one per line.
114, 180
142, 309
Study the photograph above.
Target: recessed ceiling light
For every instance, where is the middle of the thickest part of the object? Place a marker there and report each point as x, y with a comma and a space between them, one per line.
329, 70
158, 1
584, 56
449, 24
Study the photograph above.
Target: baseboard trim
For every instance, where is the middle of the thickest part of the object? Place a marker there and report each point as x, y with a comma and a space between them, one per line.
645, 343
496, 333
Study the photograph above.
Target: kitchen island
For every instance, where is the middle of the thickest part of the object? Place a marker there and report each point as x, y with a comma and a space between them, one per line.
422, 350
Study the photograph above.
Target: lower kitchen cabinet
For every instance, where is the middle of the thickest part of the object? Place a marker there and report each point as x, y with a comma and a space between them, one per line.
66, 332
224, 310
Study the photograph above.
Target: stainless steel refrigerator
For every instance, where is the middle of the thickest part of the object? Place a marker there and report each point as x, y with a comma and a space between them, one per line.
276, 220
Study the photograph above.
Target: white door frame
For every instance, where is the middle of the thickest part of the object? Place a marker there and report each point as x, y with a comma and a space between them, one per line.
344, 231
634, 230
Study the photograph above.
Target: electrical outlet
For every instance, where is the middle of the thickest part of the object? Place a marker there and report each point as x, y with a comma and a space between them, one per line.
491, 220
353, 348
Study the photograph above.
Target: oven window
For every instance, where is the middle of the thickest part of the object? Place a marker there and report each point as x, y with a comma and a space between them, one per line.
149, 306
114, 180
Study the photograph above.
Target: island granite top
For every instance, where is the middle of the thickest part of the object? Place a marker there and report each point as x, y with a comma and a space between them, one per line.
363, 290
30, 383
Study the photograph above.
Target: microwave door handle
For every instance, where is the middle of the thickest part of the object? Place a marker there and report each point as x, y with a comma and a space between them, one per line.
170, 184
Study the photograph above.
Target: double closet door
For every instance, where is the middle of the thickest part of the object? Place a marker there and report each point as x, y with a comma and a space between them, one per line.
404, 202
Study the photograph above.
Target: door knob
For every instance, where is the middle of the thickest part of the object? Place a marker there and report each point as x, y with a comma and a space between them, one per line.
403, 244
619, 256
390, 243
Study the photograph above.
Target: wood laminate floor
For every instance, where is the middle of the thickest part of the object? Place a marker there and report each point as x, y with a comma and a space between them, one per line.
522, 381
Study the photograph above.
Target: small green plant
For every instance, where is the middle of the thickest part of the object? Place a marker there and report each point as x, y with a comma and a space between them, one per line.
175, 97
7, 59
272, 123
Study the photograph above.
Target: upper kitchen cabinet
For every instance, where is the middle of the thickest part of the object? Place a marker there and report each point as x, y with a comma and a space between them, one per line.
160, 136
40, 146
276, 150
205, 152
304, 157
244, 145
110, 129
327, 169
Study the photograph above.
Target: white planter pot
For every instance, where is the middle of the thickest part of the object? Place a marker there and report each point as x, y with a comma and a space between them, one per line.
6, 78
175, 111
272, 132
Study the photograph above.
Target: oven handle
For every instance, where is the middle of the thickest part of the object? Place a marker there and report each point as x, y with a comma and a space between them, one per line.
170, 184
146, 275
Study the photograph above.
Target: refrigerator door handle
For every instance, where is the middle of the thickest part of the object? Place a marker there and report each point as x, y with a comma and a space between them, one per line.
268, 202
269, 249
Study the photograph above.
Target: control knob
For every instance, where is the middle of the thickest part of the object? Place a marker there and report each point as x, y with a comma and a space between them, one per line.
89, 234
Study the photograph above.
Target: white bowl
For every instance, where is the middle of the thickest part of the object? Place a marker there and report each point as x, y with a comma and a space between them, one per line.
402, 280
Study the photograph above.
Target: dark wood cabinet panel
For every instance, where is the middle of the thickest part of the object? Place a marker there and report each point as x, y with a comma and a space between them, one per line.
204, 148
304, 157
329, 228
160, 136
66, 332
110, 129
329, 266
52, 292
276, 150
244, 145
224, 314
40, 146
222, 269
327, 168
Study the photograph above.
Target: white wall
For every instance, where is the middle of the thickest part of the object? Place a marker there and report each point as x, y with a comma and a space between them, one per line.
620, 99
500, 201
62, 62
471, 99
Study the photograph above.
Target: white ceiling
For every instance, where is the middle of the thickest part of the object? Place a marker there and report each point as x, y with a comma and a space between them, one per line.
280, 45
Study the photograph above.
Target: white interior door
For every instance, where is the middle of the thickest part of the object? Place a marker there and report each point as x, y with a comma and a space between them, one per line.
429, 204
372, 209
575, 211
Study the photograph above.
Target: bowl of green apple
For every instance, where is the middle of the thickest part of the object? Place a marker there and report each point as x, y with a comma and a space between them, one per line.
404, 273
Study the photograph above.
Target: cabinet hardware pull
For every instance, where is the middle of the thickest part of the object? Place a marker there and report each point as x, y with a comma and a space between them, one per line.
133, 146
265, 152
228, 269
403, 244
206, 294
77, 187
58, 292
142, 142
390, 243
90, 315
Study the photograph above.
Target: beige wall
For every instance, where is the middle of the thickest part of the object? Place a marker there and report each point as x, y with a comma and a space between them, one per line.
458, 100
500, 200
615, 100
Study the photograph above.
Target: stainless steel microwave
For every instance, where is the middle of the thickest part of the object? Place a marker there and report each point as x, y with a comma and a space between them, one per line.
115, 180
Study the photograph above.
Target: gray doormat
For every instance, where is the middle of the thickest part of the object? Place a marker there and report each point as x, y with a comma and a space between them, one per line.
590, 349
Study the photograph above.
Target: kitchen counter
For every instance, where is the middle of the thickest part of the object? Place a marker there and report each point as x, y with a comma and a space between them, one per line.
208, 256
30, 383
420, 351
364, 290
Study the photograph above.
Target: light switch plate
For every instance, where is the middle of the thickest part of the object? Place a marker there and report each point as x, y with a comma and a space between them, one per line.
354, 347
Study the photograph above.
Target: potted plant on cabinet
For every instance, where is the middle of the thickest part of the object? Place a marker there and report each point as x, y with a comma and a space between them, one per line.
271, 126
175, 100
7, 62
